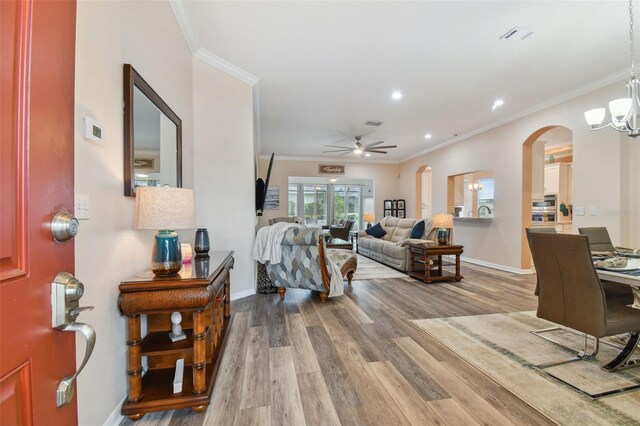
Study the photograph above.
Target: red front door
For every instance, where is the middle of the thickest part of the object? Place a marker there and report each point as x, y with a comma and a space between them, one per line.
36, 180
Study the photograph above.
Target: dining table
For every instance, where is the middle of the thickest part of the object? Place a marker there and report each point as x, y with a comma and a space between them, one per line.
629, 275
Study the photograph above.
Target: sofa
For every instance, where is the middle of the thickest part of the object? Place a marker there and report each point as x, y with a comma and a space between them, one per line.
391, 249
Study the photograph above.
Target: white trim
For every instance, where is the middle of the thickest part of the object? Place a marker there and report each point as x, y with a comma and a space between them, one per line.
320, 159
256, 121
115, 418
496, 266
242, 294
181, 16
583, 90
205, 56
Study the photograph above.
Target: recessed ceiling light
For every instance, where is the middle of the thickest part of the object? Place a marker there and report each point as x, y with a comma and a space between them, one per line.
368, 154
333, 180
497, 104
427, 136
396, 95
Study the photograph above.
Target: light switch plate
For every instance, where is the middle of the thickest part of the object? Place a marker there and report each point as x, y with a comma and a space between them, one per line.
593, 211
579, 211
81, 206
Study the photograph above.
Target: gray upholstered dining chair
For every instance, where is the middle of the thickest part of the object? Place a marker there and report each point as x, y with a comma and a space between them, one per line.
572, 296
599, 239
611, 290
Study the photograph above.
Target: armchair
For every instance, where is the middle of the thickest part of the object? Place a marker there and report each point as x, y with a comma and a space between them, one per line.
342, 230
307, 264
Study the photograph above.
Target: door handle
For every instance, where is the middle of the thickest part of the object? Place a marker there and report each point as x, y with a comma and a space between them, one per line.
66, 291
65, 391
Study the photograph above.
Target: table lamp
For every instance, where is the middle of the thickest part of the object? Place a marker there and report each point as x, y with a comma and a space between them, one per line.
165, 209
444, 222
369, 217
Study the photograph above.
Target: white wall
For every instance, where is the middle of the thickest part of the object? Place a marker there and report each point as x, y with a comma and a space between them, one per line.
384, 176
108, 249
601, 177
224, 167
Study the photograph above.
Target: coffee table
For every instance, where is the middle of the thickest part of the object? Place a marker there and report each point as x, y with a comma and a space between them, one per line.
339, 244
420, 257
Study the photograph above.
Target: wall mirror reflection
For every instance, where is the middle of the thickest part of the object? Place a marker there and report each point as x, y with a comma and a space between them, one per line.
152, 137
471, 195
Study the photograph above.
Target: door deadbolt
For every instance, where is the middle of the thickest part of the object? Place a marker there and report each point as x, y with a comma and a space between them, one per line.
64, 226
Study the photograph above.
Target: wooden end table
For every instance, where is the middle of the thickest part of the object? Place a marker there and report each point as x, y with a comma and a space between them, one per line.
421, 255
201, 293
339, 244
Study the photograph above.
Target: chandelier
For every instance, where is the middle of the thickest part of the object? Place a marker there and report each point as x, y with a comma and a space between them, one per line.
475, 186
624, 111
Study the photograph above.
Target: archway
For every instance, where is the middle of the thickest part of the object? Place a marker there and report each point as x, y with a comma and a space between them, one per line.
423, 192
534, 159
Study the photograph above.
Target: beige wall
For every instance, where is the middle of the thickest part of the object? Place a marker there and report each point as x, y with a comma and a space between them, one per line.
384, 177
108, 249
224, 167
602, 177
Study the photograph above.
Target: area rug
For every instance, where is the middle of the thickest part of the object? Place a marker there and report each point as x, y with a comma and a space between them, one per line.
370, 269
502, 347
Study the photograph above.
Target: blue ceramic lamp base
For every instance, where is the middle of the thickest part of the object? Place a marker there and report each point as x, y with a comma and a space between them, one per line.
166, 258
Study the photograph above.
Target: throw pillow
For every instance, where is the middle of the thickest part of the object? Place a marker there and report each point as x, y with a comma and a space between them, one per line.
418, 230
376, 231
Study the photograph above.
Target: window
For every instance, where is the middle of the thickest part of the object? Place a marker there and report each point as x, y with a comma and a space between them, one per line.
292, 203
315, 204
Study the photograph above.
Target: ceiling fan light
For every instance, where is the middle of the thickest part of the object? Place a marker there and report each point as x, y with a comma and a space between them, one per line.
619, 108
594, 116
357, 151
368, 154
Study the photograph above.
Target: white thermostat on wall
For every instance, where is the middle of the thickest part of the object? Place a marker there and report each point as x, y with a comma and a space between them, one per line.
93, 130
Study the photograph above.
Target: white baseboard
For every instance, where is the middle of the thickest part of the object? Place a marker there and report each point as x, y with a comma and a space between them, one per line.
115, 418
241, 294
496, 266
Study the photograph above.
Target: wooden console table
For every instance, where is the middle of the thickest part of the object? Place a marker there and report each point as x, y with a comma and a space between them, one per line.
201, 293
420, 255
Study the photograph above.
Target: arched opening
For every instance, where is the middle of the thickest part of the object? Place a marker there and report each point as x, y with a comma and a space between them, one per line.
423, 192
547, 163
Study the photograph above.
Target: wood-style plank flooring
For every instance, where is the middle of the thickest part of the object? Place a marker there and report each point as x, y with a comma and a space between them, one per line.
358, 360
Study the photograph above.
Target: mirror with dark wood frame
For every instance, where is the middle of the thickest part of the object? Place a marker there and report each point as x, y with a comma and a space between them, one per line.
152, 137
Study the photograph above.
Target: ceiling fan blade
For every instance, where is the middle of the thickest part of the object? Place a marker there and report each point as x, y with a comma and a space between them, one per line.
341, 147
385, 147
377, 152
344, 153
374, 144
337, 150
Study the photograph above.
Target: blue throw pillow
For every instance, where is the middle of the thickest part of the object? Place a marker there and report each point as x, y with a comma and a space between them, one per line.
376, 231
418, 230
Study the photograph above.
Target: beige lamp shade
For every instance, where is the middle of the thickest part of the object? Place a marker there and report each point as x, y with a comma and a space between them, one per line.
443, 220
163, 207
369, 217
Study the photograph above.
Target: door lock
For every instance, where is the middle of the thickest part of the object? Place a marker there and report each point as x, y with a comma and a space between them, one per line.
64, 226
66, 291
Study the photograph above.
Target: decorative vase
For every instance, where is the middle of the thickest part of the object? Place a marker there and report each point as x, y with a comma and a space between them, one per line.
165, 256
202, 242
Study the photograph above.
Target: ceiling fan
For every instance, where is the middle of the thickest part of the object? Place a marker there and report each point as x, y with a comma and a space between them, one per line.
362, 150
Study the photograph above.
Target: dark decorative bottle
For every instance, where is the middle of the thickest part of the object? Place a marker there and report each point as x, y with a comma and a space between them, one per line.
202, 242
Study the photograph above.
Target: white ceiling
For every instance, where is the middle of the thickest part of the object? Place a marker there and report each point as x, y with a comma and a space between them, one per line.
327, 67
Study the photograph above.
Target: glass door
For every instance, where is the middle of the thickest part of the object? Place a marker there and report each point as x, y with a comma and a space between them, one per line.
346, 204
315, 205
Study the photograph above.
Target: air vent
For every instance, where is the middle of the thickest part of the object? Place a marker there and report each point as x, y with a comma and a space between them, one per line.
373, 123
516, 34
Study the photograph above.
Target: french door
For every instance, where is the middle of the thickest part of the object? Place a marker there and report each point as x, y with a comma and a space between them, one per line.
347, 204
323, 204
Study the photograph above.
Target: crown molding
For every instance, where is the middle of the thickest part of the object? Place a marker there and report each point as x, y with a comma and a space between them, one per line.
564, 97
205, 56
326, 160
181, 16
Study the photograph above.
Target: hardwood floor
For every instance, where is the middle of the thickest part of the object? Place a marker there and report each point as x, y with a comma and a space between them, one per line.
358, 360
